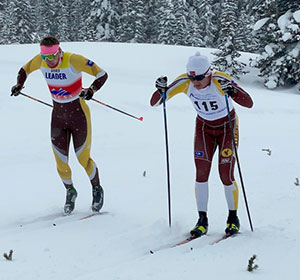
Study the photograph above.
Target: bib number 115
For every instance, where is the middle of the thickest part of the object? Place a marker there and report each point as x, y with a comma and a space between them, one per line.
211, 105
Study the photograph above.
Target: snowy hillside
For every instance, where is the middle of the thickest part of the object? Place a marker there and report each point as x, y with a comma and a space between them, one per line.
115, 245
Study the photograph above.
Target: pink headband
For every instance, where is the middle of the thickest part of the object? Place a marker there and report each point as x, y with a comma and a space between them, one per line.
49, 49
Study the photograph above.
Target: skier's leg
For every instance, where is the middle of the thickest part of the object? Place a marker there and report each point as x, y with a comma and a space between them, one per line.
204, 147
82, 144
60, 138
226, 170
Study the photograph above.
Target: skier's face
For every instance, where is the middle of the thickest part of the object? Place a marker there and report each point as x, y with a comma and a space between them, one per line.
202, 83
52, 59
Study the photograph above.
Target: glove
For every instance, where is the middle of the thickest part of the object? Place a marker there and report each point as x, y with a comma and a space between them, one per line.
228, 87
161, 84
16, 90
86, 93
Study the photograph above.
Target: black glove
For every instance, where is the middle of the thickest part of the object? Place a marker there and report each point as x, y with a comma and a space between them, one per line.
161, 84
16, 89
86, 93
228, 87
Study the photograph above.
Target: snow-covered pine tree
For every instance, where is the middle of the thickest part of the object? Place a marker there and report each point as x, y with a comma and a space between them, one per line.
285, 5
194, 35
227, 56
152, 17
46, 18
209, 21
2, 15
140, 22
166, 23
280, 60
243, 34
180, 28
9, 31
103, 21
133, 22
18, 24
61, 22
264, 29
79, 11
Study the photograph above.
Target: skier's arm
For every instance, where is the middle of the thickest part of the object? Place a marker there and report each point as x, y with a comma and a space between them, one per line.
225, 84
242, 97
180, 84
30, 66
82, 64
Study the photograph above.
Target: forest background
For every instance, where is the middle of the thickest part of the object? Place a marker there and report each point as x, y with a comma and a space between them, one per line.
269, 28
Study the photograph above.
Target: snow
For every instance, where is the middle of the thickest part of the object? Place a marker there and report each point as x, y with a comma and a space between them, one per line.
260, 23
116, 244
269, 49
284, 21
295, 51
296, 15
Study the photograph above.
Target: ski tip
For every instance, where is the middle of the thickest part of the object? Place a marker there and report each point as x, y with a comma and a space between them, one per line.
141, 119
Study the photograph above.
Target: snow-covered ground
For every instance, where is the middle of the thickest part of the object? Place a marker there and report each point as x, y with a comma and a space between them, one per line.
116, 244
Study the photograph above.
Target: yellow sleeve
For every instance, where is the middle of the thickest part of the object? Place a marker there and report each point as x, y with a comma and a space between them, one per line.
220, 75
32, 65
180, 84
82, 64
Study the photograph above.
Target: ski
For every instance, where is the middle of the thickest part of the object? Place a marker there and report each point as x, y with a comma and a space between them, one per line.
189, 239
173, 245
224, 237
91, 215
60, 218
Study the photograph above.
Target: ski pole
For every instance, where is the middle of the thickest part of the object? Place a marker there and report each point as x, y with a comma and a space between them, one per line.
40, 101
167, 155
120, 111
35, 99
237, 160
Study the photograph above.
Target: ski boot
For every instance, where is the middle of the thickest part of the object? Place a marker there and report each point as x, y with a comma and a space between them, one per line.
200, 228
98, 196
70, 201
233, 225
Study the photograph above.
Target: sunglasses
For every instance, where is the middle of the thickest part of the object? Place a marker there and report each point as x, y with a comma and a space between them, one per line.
198, 77
49, 56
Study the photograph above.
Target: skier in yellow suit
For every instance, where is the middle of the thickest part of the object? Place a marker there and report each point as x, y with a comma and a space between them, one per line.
70, 115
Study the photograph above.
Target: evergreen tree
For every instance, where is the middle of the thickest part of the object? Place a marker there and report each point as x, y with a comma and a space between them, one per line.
280, 60
284, 5
47, 18
180, 17
227, 55
133, 22
2, 17
265, 29
9, 28
194, 35
243, 33
62, 24
166, 23
152, 19
18, 15
103, 20
140, 22
77, 19
209, 22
